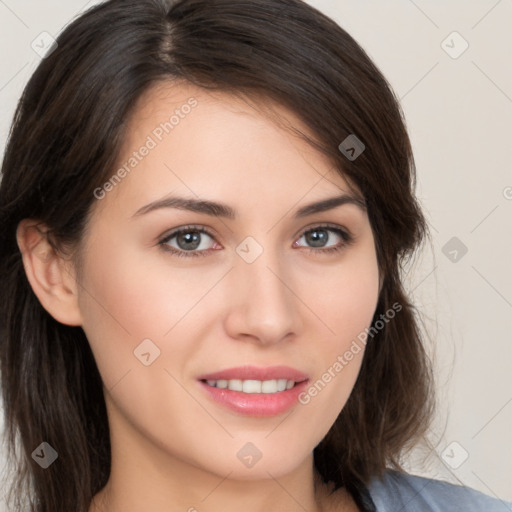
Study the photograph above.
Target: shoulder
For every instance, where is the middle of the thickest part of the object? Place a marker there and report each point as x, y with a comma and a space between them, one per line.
402, 491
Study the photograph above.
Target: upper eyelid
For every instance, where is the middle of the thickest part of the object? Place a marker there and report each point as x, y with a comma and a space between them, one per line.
325, 225
173, 232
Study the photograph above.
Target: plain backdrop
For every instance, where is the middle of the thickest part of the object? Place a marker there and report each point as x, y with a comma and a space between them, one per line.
449, 62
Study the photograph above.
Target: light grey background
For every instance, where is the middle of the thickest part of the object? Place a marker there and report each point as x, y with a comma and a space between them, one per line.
459, 114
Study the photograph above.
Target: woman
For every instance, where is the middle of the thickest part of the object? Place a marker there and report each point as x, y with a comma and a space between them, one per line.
205, 210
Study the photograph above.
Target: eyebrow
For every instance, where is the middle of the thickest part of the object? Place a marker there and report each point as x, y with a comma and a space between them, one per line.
223, 210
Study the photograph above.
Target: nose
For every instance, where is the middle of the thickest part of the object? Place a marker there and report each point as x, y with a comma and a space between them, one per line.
263, 307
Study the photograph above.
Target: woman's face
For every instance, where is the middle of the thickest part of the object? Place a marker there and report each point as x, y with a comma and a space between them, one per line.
262, 287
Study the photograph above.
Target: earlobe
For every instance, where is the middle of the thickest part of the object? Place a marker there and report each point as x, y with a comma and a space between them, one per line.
50, 275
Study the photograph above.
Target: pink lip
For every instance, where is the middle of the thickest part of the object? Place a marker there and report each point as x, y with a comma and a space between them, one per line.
256, 373
256, 404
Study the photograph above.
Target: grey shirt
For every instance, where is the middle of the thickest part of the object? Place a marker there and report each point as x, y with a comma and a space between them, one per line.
402, 492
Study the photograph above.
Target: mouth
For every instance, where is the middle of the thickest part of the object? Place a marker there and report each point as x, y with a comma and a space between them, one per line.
255, 391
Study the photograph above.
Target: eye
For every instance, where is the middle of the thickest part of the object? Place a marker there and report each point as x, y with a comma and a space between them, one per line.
319, 236
189, 241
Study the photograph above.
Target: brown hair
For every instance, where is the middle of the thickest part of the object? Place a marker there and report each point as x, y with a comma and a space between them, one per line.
66, 135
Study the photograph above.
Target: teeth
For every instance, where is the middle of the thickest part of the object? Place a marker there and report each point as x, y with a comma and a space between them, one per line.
249, 386
253, 386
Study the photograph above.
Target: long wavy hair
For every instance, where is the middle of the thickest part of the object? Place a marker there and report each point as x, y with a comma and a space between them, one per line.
66, 134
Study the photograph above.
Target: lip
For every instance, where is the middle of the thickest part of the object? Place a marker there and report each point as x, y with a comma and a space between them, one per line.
256, 373
256, 404
262, 405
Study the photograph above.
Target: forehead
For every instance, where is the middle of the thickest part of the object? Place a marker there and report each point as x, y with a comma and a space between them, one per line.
214, 143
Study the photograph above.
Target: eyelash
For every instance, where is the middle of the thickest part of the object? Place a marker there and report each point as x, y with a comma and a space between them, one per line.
347, 240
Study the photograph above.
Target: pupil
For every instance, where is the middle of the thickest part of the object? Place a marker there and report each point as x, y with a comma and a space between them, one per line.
188, 238
317, 238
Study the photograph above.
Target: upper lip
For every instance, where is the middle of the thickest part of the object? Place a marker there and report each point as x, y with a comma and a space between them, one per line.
256, 373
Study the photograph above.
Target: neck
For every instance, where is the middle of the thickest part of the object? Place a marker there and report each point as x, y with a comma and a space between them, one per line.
142, 485
145, 477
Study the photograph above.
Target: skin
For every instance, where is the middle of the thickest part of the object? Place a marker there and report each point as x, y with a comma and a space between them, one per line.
290, 306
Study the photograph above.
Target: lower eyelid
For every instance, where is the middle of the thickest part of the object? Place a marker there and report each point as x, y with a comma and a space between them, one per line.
346, 237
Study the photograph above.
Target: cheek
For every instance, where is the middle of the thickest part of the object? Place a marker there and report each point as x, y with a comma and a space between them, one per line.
344, 296
148, 295
119, 306
345, 300
126, 301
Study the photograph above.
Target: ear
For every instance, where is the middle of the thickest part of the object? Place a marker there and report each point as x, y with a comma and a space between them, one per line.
50, 275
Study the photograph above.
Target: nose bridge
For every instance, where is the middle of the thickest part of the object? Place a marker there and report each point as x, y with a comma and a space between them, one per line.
263, 304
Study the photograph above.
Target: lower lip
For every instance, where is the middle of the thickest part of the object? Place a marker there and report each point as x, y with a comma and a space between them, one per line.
256, 404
